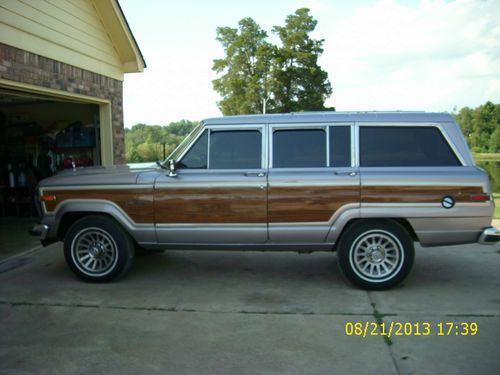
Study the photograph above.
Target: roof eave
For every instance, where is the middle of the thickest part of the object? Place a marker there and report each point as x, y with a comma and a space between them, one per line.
123, 39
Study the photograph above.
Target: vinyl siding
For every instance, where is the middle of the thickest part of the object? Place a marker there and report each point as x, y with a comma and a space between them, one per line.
69, 31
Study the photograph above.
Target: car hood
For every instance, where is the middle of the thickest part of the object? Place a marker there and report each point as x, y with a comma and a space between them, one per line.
140, 173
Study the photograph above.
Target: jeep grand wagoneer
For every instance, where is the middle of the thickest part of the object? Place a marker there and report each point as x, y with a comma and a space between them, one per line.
367, 185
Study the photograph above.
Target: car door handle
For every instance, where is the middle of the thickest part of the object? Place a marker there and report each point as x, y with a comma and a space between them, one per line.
255, 174
349, 173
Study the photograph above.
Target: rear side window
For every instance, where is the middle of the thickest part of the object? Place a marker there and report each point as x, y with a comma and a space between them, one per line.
340, 146
404, 146
239, 149
303, 148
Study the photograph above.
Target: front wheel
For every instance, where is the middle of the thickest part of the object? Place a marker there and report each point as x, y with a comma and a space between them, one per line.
97, 249
376, 254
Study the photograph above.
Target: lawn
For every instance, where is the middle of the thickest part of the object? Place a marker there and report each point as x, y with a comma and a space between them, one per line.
486, 156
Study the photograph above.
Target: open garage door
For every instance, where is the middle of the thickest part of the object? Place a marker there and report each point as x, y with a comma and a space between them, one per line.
41, 134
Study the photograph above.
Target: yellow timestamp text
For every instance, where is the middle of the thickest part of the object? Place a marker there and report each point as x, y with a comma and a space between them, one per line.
396, 328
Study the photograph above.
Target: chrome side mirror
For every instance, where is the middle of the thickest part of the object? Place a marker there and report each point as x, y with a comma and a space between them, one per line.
172, 170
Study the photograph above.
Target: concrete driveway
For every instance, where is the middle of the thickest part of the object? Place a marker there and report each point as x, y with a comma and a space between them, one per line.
246, 313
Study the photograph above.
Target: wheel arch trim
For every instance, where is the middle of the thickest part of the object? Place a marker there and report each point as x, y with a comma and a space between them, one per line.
350, 215
139, 232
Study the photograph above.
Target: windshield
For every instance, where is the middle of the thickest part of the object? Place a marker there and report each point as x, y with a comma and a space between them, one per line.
185, 143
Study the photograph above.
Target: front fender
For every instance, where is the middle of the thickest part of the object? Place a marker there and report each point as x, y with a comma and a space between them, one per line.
142, 233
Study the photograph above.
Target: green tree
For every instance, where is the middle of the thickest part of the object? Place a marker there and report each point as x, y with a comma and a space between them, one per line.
245, 67
465, 119
301, 84
494, 143
255, 72
481, 127
145, 143
180, 128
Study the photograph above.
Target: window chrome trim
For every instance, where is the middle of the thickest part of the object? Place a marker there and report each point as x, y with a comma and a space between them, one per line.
265, 147
269, 146
457, 154
355, 145
208, 149
200, 128
327, 146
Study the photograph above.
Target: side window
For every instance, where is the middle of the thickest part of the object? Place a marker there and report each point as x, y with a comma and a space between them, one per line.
196, 157
340, 146
237, 149
393, 146
299, 148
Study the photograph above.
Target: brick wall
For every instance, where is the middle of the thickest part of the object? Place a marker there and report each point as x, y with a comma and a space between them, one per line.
26, 67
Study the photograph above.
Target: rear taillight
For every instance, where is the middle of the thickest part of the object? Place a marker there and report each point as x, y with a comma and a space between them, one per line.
480, 197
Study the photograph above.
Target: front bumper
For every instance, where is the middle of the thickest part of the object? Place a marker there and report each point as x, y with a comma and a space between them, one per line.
489, 236
40, 231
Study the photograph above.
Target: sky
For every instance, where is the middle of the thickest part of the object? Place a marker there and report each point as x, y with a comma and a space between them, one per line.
379, 54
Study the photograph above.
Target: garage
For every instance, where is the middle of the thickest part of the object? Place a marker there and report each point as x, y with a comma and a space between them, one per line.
40, 135
61, 92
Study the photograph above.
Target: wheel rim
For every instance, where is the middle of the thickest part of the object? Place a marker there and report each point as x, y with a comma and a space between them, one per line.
94, 251
376, 256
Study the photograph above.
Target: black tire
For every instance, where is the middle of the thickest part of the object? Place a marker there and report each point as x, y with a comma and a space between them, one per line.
376, 254
97, 249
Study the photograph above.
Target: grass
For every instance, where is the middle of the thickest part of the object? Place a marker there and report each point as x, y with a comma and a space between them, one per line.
486, 156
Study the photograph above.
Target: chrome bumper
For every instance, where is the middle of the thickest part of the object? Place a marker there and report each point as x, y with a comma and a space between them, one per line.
40, 231
489, 236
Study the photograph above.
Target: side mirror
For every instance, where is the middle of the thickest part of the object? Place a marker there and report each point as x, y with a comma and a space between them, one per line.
172, 170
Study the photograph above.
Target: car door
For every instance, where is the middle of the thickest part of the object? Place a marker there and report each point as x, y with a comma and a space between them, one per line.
219, 194
312, 180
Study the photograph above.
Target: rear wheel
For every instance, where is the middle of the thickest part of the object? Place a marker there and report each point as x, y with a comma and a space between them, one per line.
376, 254
97, 249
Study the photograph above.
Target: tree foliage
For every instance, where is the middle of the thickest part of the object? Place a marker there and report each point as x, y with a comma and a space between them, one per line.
287, 77
247, 65
300, 84
144, 143
481, 127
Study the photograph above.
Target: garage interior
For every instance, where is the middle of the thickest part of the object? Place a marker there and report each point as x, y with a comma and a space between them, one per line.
39, 136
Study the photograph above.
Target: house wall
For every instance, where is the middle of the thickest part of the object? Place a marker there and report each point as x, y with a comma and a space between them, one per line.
22, 66
70, 31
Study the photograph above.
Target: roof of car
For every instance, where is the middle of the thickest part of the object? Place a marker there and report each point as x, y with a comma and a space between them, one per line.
331, 116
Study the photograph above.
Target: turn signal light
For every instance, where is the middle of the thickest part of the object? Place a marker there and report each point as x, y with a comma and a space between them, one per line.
48, 198
480, 197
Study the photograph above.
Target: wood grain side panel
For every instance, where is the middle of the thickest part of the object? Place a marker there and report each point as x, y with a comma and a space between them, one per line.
211, 205
310, 203
137, 203
417, 194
